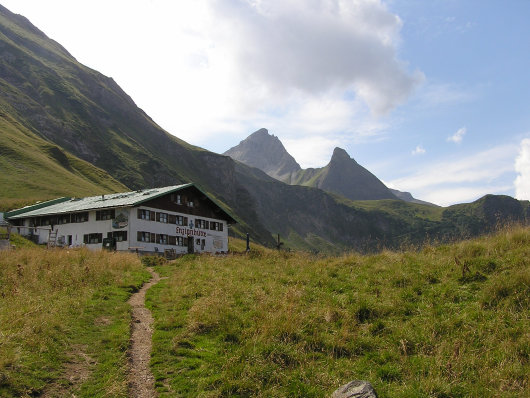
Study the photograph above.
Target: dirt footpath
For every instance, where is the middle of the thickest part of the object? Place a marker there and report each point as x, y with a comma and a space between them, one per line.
141, 381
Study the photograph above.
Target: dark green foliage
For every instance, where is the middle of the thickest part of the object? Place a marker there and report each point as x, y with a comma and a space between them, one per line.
151, 261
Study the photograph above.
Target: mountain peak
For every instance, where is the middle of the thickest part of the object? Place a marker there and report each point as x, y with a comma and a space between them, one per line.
266, 152
262, 132
340, 155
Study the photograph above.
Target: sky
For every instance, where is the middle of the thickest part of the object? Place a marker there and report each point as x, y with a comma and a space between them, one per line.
433, 97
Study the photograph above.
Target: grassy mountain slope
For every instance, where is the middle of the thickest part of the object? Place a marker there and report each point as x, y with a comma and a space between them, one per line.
35, 169
65, 321
445, 321
48, 92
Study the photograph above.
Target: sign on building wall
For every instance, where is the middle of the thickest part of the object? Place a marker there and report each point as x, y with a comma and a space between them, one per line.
121, 220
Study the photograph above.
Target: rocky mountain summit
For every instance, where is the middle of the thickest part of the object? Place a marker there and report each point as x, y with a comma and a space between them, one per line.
267, 153
342, 175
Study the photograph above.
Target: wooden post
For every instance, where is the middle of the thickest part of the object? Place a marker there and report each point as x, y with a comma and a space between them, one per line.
279, 244
248, 242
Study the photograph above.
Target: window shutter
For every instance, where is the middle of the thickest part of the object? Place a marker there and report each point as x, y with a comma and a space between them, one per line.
172, 219
98, 215
152, 237
220, 226
172, 240
139, 213
185, 242
151, 215
185, 222
157, 216
139, 236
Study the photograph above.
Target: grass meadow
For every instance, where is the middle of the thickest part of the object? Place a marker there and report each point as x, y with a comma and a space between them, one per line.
440, 321
64, 321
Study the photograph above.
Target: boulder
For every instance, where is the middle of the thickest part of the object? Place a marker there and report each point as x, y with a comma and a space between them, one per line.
355, 389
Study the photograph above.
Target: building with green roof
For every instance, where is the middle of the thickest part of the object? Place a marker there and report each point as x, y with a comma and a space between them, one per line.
179, 219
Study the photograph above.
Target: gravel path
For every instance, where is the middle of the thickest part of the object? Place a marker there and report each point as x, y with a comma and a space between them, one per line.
141, 381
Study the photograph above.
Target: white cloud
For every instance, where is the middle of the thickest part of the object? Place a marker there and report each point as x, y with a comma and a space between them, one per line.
316, 46
446, 196
466, 178
311, 71
313, 151
522, 167
419, 150
458, 136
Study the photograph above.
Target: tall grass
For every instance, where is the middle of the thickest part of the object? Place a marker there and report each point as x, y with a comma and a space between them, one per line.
445, 321
59, 307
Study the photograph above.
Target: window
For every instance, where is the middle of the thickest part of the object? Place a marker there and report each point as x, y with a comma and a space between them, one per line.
63, 219
80, 217
92, 238
175, 198
105, 214
203, 243
181, 241
190, 203
162, 239
144, 214
202, 224
143, 236
162, 217
182, 220
172, 240
216, 226
120, 236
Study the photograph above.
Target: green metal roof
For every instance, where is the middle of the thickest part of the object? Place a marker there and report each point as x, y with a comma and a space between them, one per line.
125, 199
36, 206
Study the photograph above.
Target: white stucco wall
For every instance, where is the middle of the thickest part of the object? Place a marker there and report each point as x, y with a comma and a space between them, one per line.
210, 237
215, 241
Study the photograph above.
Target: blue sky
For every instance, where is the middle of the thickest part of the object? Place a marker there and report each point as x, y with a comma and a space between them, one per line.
431, 96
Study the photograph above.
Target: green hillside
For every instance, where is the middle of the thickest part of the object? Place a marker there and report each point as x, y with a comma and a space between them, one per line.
34, 169
65, 321
445, 321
